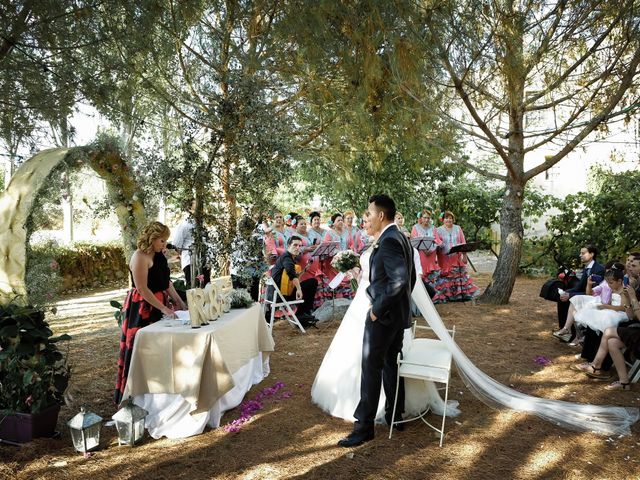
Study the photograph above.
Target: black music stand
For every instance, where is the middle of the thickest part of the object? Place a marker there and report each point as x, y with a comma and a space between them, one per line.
465, 248
326, 249
423, 243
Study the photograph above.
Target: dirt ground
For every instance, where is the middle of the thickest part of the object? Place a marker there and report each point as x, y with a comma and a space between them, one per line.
291, 438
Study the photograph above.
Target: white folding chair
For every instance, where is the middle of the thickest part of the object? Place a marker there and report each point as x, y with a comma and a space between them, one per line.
634, 371
427, 359
278, 302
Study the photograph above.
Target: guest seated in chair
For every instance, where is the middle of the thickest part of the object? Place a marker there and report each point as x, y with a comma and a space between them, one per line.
598, 293
588, 254
285, 274
633, 269
614, 340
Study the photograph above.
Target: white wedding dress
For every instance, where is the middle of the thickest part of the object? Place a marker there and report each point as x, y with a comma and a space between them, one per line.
336, 389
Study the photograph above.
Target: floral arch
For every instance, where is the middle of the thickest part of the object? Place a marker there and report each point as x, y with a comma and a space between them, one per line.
17, 202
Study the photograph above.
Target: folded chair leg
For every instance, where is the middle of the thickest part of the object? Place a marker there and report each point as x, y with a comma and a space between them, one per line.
395, 400
444, 413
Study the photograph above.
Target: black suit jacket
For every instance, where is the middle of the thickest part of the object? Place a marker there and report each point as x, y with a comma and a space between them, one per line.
581, 288
391, 278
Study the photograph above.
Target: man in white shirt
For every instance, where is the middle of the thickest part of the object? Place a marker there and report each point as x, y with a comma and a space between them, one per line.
183, 241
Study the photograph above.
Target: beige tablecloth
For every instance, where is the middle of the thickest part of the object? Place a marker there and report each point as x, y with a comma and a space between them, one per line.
196, 363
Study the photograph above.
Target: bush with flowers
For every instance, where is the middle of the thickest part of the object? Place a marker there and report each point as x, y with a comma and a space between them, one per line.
240, 298
34, 373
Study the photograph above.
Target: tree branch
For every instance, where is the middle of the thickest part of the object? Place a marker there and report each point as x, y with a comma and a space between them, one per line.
594, 47
625, 83
18, 29
470, 107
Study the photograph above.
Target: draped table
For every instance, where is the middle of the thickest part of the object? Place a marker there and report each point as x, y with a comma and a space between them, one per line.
187, 378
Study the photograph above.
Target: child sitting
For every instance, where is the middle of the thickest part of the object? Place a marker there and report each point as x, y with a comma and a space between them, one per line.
600, 316
599, 295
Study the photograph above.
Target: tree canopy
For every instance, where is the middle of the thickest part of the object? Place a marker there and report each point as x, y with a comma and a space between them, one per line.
231, 101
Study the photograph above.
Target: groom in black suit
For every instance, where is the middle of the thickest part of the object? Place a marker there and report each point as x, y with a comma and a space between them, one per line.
391, 279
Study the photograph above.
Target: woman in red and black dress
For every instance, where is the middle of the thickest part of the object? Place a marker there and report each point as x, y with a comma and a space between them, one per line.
147, 301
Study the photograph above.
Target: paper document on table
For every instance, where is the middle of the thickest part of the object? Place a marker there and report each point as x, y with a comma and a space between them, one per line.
337, 280
183, 316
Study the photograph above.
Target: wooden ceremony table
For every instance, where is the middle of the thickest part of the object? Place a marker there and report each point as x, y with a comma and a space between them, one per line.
187, 378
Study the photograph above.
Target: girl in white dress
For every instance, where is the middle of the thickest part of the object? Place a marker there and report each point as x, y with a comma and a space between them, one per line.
599, 316
336, 388
600, 294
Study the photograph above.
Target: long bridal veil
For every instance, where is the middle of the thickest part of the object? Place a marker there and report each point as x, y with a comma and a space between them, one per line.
606, 420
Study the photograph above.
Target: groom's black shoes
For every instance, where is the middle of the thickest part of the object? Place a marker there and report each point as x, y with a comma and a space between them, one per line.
356, 438
398, 426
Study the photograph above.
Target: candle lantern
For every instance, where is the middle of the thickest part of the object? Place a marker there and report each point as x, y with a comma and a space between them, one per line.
85, 430
130, 423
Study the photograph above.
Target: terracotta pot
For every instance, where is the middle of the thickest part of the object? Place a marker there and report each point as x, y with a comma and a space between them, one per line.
23, 427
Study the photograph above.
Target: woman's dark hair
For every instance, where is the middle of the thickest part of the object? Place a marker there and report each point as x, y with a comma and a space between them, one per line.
385, 204
611, 263
334, 216
616, 272
313, 215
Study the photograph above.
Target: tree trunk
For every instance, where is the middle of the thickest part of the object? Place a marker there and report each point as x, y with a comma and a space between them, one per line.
230, 212
512, 233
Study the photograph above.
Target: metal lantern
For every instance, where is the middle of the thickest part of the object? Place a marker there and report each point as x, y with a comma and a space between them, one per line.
85, 430
130, 423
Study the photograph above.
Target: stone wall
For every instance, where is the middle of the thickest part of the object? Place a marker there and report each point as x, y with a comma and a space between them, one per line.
91, 266
87, 265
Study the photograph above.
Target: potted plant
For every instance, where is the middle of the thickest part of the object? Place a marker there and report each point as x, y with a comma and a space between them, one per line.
33, 374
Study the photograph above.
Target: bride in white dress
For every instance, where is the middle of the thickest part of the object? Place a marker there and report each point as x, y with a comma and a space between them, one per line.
336, 389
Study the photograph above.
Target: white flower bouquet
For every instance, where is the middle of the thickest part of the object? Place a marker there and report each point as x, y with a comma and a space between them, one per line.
345, 261
240, 298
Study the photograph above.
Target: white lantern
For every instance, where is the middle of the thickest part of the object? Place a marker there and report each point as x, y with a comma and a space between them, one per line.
130, 423
85, 430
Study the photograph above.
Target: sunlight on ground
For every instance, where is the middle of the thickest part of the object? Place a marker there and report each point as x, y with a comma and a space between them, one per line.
261, 471
90, 314
96, 298
541, 462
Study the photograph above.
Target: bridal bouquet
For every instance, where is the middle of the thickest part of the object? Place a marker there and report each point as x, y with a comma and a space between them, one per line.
345, 261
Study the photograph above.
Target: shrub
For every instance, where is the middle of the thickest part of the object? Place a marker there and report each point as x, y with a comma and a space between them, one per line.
35, 372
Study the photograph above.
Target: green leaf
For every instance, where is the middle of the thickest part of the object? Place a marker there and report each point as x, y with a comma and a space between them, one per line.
25, 349
115, 304
27, 377
27, 323
9, 331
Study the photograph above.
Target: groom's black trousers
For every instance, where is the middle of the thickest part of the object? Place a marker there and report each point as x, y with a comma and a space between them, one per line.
381, 345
